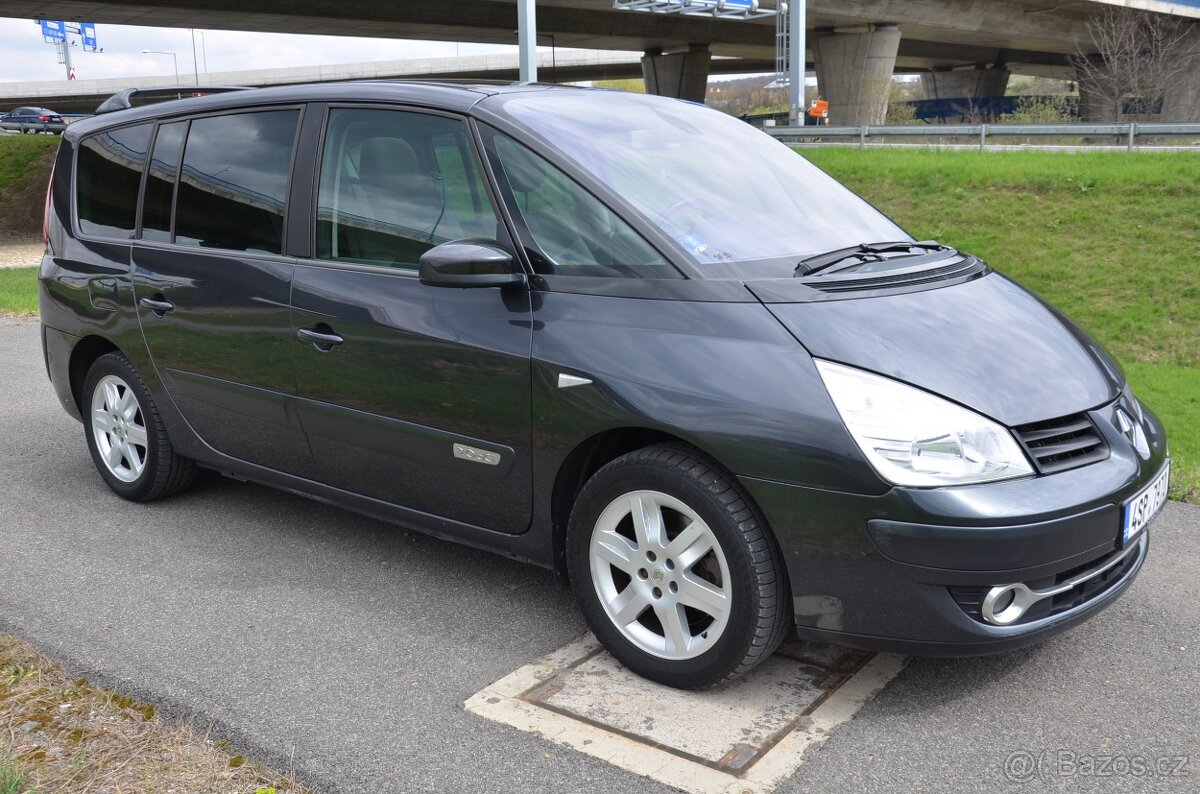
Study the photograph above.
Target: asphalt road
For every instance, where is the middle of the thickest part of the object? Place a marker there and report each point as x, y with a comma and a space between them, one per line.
348, 645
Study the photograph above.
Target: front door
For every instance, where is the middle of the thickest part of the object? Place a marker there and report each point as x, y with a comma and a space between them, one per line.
212, 285
418, 396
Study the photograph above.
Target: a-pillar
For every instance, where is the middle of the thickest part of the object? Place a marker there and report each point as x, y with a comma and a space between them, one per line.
964, 83
683, 75
854, 71
1182, 100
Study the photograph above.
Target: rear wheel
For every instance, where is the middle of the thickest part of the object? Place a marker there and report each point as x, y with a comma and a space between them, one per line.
126, 436
674, 569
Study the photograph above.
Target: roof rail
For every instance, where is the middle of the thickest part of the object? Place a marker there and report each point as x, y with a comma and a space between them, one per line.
124, 99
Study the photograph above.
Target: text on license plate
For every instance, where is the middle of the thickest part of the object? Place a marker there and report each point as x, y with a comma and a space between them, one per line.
1142, 507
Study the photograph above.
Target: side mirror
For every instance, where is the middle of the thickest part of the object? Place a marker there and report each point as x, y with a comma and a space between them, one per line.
470, 263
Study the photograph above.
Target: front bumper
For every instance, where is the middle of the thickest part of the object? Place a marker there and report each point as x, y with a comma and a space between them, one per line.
909, 571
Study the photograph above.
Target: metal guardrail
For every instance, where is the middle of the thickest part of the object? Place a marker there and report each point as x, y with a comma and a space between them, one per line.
1128, 131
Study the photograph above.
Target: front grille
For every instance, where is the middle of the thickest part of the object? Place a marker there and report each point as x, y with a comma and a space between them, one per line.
970, 599
1064, 443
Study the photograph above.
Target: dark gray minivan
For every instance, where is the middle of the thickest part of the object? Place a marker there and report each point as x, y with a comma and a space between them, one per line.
625, 337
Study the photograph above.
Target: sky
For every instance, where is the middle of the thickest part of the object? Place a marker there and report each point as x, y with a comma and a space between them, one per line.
24, 55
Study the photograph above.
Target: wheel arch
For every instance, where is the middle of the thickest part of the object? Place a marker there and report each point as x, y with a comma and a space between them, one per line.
588, 456
83, 355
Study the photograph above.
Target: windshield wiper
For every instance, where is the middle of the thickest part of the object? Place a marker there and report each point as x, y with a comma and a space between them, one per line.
831, 261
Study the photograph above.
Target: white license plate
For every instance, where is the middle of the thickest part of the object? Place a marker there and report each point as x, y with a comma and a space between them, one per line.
1144, 506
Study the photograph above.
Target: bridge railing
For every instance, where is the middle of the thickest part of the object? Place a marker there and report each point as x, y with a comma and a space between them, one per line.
1127, 132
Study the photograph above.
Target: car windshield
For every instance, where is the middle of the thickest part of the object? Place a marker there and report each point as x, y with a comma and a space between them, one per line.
741, 203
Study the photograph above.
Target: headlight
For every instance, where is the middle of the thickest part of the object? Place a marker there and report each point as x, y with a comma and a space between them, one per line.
912, 437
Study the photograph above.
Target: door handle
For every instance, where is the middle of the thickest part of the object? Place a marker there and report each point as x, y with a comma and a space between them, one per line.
157, 304
322, 337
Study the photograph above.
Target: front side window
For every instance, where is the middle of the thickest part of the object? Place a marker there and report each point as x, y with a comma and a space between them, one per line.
573, 232
107, 178
233, 184
395, 184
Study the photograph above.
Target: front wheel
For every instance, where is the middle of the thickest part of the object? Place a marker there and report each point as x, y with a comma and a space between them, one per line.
675, 570
126, 436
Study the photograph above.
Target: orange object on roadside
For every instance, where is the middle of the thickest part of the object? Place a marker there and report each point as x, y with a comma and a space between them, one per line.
819, 109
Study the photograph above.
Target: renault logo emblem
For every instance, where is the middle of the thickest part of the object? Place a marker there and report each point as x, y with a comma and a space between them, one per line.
1133, 432
1125, 425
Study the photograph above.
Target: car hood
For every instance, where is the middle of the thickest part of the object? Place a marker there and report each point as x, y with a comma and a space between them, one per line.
987, 344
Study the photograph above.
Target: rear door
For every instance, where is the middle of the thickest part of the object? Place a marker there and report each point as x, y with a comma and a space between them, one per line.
212, 283
418, 396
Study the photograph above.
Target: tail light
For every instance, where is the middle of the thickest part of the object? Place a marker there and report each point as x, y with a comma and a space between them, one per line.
43, 118
46, 209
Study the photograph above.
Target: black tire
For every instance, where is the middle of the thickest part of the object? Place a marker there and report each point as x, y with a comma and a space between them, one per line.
163, 472
760, 613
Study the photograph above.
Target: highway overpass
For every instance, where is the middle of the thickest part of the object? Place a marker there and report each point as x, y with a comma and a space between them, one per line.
969, 46
564, 66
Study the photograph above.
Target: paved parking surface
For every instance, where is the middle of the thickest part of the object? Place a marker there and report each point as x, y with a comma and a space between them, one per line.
350, 645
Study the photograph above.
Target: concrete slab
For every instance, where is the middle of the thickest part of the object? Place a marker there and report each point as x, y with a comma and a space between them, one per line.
744, 738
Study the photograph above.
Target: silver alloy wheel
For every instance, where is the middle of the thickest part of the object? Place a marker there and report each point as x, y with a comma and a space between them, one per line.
119, 428
660, 574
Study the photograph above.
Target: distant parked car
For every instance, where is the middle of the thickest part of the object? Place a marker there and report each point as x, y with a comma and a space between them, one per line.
30, 119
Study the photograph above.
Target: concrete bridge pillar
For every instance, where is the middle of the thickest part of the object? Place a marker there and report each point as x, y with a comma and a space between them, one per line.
854, 71
1092, 106
951, 84
683, 75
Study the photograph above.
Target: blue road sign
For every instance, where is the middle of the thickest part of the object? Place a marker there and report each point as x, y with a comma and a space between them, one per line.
54, 29
87, 32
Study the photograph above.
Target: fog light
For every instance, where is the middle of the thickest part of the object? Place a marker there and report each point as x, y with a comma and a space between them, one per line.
1005, 604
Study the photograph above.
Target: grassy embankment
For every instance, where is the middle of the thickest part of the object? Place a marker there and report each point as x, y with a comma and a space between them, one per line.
1111, 239
24, 170
18, 291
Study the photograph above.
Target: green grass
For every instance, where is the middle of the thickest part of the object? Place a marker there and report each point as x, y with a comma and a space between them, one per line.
1110, 238
18, 291
19, 152
1174, 394
11, 780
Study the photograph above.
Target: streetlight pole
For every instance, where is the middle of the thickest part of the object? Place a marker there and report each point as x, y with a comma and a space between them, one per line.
796, 60
527, 38
174, 60
195, 63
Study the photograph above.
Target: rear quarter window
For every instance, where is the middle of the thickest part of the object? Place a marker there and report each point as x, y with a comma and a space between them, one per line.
158, 198
108, 175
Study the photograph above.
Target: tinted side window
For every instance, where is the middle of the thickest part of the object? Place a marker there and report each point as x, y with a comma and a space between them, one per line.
160, 182
574, 233
233, 185
107, 178
395, 184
